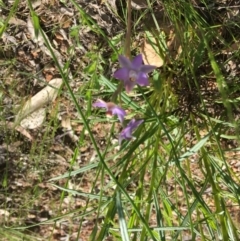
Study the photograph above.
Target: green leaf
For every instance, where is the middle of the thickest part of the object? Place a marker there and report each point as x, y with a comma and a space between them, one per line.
36, 23
195, 148
122, 221
91, 69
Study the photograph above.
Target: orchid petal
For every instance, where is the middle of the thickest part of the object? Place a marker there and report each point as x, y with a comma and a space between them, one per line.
119, 112
126, 133
137, 62
122, 74
124, 62
147, 68
133, 72
142, 79
129, 85
133, 124
100, 103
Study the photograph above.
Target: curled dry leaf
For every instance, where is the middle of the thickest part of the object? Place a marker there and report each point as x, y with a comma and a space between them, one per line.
43, 97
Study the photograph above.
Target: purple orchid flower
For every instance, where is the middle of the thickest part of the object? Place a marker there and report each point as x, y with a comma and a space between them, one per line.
133, 72
126, 133
111, 108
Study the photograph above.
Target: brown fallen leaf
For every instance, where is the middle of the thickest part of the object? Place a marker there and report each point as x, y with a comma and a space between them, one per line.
23, 132
18, 128
150, 55
151, 51
65, 21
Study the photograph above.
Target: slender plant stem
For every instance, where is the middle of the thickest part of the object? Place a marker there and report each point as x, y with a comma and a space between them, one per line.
127, 50
128, 33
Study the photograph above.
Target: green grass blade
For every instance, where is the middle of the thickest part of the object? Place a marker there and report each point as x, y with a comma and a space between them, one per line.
122, 220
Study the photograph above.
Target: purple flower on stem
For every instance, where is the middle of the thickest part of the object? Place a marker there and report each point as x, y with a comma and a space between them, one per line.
133, 72
111, 108
126, 133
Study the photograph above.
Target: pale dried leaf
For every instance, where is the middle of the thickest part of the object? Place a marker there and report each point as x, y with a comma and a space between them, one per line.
16, 21
173, 44
36, 4
8, 38
67, 11
150, 56
4, 212
138, 4
43, 97
23, 132
66, 123
34, 120
151, 50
